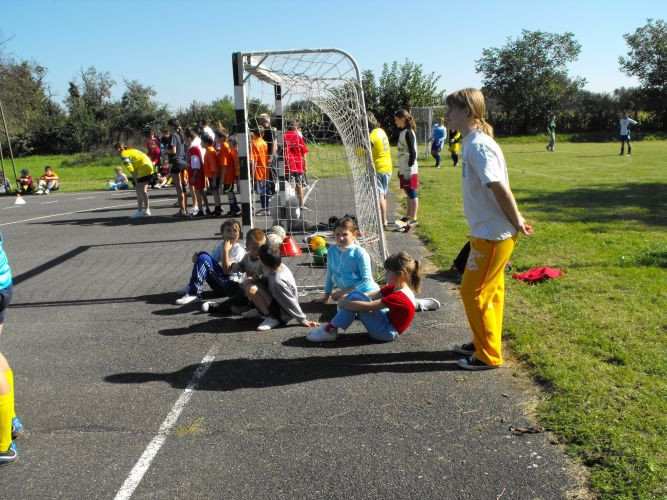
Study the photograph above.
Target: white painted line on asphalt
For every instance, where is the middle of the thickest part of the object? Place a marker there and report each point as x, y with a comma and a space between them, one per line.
47, 202
85, 198
13, 206
140, 468
79, 212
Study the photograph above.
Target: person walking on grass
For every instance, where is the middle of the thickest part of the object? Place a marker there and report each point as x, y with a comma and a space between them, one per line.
407, 164
141, 168
10, 425
626, 123
437, 140
494, 221
551, 130
381, 153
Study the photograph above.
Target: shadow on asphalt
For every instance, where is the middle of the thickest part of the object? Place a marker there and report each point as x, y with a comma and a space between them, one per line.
243, 373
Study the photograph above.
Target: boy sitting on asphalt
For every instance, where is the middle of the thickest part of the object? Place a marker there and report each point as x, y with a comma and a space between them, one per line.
276, 298
251, 266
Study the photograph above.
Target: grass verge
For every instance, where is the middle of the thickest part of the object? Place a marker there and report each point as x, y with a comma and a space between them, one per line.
595, 338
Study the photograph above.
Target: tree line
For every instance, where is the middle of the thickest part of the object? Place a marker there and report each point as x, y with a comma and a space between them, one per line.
524, 81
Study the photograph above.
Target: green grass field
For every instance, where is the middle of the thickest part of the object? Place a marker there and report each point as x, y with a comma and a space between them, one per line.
594, 338
80, 172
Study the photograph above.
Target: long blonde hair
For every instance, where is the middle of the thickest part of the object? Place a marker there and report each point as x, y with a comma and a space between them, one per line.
472, 99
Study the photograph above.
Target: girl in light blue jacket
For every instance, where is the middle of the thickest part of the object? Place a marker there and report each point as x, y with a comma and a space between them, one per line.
348, 265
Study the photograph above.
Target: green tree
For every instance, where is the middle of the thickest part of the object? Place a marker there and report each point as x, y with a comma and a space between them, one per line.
137, 113
528, 76
90, 110
647, 60
27, 103
399, 86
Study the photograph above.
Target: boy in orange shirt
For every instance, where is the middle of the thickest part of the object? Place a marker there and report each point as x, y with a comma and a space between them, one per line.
228, 158
212, 171
259, 152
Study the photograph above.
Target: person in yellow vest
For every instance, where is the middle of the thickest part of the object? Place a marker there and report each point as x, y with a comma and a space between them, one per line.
141, 168
455, 145
382, 160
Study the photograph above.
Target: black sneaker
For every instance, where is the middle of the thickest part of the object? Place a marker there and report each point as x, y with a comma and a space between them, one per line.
474, 364
465, 349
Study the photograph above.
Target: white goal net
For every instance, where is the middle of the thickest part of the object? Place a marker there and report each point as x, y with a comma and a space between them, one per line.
319, 92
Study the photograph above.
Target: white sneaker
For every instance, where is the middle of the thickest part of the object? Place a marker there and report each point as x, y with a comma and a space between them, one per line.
427, 305
137, 214
206, 306
268, 323
251, 314
147, 212
193, 211
186, 299
39, 191
304, 208
320, 334
261, 211
48, 190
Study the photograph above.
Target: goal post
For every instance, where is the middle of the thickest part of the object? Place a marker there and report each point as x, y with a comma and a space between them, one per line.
426, 117
321, 91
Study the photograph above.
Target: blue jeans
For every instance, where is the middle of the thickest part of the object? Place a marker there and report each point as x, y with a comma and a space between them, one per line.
206, 270
376, 322
262, 189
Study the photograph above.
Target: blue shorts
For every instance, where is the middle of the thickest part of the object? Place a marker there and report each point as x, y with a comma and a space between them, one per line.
383, 183
625, 138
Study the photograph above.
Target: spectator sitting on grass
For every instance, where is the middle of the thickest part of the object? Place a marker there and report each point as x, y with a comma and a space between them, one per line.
48, 182
26, 182
121, 181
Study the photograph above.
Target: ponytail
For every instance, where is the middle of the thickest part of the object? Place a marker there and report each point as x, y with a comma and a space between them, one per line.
409, 269
410, 121
416, 277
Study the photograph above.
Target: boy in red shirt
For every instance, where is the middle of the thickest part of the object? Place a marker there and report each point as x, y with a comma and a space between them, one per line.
197, 179
295, 160
259, 152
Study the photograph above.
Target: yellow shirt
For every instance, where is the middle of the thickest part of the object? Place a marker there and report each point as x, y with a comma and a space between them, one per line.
380, 151
137, 162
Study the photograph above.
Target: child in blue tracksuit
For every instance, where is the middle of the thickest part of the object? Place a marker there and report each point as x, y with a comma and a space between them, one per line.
348, 265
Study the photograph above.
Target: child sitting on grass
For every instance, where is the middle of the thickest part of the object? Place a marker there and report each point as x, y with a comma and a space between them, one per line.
251, 266
121, 181
215, 269
276, 299
386, 313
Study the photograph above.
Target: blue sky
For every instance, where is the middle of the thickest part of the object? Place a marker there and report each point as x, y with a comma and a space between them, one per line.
183, 49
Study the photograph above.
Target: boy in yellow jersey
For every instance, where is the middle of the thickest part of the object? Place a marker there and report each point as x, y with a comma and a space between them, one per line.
141, 167
382, 160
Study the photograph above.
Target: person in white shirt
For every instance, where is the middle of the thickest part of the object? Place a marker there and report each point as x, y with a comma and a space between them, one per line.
625, 123
494, 221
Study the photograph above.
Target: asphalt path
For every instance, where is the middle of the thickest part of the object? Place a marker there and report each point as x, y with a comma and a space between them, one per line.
125, 394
